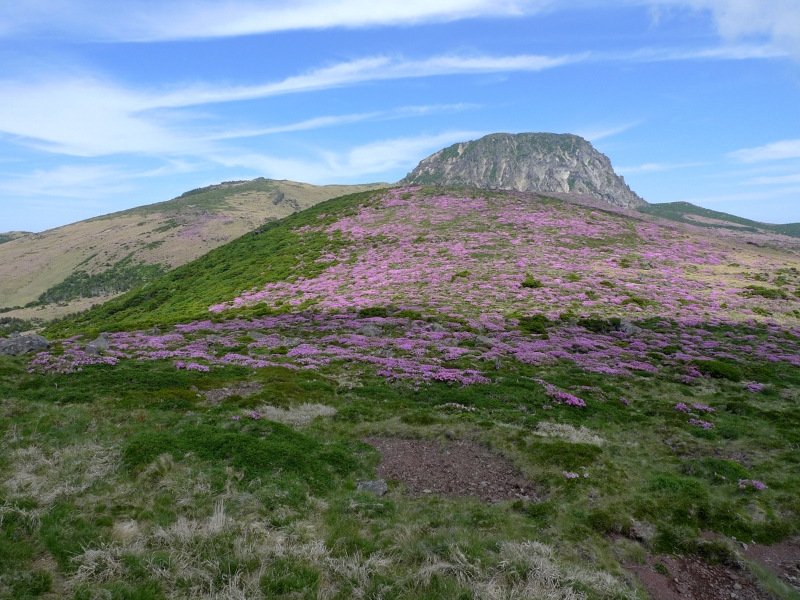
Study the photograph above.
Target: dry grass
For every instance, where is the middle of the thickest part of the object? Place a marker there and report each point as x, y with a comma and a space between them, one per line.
296, 416
60, 473
568, 433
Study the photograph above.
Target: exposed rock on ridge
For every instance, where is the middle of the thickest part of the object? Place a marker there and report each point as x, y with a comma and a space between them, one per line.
526, 162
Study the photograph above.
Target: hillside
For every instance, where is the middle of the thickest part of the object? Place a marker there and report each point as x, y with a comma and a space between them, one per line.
526, 162
419, 393
106, 255
686, 212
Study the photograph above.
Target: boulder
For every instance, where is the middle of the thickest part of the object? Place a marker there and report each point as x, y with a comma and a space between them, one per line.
378, 487
438, 328
370, 330
95, 346
627, 327
23, 344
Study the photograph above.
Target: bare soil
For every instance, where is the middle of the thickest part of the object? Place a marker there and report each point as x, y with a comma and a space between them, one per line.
782, 559
453, 469
692, 579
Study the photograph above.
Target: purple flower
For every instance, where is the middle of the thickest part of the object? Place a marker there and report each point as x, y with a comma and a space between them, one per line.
682, 407
255, 415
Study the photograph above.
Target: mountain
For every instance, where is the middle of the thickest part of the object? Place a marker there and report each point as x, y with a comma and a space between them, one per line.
12, 235
526, 162
104, 256
685, 212
419, 393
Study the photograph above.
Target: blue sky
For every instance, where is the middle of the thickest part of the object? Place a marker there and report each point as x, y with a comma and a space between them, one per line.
109, 105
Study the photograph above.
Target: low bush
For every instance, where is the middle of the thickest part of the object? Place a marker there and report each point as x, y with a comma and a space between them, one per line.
718, 369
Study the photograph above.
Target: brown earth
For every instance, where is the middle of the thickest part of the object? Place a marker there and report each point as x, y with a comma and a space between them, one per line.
782, 559
692, 579
454, 469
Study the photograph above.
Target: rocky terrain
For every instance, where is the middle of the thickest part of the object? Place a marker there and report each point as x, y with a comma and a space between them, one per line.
526, 162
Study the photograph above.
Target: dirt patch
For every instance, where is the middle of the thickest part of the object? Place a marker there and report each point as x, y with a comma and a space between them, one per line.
782, 559
243, 389
455, 469
692, 579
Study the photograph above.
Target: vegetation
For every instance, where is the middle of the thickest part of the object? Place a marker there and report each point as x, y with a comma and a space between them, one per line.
121, 277
217, 453
676, 211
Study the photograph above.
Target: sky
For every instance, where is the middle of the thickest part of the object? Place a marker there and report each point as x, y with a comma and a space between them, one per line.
109, 105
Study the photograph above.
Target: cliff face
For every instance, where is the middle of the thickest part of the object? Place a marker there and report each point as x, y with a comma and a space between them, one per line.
526, 162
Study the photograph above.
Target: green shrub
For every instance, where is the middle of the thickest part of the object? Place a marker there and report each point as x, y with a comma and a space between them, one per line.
373, 311
281, 448
534, 324
532, 283
715, 470
563, 455
765, 292
718, 369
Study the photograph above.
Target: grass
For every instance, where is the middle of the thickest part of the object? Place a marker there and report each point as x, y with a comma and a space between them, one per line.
123, 482
158, 457
267, 255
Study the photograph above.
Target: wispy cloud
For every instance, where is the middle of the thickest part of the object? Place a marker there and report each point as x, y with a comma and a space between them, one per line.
363, 160
775, 180
594, 134
137, 20
657, 167
775, 151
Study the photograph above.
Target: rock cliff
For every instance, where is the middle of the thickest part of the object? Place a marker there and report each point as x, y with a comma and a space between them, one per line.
526, 162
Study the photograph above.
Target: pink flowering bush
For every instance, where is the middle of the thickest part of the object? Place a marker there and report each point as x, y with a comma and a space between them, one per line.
700, 423
751, 484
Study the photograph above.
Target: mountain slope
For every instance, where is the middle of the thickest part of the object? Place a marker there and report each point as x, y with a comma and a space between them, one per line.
552, 393
685, 212
430, 248
112, 253
526, 162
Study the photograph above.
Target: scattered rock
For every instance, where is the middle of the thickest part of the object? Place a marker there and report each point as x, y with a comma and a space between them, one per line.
486, 340
23, 344
627, 327
370, 330
245, 388
438, 328
290, 342
377, 487
101, 343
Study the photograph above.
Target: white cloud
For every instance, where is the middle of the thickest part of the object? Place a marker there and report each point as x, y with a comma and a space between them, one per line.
656, 167
774, 151
775, 180
153, 20
86, 116
778, 20
368, 159
598, 133
70, 181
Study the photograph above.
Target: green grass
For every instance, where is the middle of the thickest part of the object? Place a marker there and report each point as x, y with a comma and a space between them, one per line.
267, 255
675, 211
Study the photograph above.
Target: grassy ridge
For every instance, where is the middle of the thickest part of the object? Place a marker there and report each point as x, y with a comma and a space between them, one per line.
676, 211
271, 253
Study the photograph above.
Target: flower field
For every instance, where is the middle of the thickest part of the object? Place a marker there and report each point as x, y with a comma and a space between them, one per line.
640, 378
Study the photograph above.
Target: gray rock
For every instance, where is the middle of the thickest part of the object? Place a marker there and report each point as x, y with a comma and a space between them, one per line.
485, 340
627, 327
370, 330
378, 487
527, 162
290, 342
94, 347
14, 334
438, 328
23, 344
257, 336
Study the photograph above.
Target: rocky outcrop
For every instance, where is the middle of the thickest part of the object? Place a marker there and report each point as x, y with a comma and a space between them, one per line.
22, 344
527, 162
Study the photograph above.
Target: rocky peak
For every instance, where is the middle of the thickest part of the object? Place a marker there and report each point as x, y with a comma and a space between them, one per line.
527, 162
